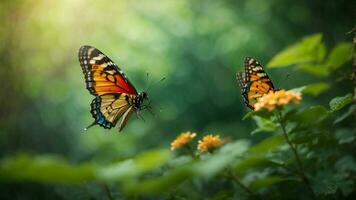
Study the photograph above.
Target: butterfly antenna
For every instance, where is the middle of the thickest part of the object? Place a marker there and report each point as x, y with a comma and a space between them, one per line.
148, 83
161, 80
150, 109
92, 124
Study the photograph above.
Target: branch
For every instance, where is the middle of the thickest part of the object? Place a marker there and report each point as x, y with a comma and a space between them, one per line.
297, 157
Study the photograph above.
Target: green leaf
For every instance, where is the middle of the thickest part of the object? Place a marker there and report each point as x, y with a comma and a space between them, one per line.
328, 182
261, 113
251, 162
266, 181
44, 168
312, 115
306, 136
346, 164
220, 159
309, 49
345, 136
267, 145
348, 113
315, 69
263, 125
339, 55
316, 88
152, 159
130, 168
157, 185
338, 103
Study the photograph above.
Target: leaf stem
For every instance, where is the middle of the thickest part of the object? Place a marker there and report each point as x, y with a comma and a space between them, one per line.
243, 186
300, 167
191, 152
107, 191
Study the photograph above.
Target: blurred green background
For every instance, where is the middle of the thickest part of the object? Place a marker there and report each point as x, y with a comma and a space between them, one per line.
197, 45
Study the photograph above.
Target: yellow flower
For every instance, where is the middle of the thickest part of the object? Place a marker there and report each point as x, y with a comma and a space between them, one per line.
182, 140
277, 98
209, 142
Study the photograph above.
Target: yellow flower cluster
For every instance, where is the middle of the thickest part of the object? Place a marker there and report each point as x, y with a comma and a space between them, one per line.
277, 98
209, 142
183, 139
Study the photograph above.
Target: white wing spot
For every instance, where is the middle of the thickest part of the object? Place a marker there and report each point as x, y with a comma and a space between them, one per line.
99, 57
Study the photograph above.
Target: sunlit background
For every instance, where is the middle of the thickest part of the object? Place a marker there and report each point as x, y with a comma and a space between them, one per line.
196, 45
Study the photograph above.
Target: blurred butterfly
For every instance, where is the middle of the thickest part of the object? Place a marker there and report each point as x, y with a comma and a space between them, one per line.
115, 97
254, 82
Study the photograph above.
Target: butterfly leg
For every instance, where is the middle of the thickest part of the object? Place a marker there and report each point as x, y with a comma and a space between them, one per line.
92, 124
138, 114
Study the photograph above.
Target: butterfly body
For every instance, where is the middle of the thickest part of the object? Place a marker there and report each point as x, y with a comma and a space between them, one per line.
115, 97
254, 82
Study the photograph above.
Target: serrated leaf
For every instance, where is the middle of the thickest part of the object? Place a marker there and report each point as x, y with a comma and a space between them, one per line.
316, 88
263, 125
308, 49
348, 113
339, 55
313, 114
338, 103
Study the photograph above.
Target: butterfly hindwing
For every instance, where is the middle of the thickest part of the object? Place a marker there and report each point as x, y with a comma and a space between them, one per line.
254, 82
241, 78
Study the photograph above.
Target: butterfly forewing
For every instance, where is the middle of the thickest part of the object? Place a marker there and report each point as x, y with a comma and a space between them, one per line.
102, 75
254, 82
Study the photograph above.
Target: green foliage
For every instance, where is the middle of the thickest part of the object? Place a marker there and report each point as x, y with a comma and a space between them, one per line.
309, 49
264, 125
309, 56
349, 112
45, 168
339, 55
338, 103
267, 181
316, 89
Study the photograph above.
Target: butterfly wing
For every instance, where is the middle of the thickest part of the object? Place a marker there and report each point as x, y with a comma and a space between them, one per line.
242, 80
254, 82
113, 91
102, 75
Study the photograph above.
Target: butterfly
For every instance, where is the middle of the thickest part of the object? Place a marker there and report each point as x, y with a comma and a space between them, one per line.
115, 97
254, 82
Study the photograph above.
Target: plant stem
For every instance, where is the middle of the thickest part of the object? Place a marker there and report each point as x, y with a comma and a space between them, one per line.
297, 157
107, 191
240, 184
191, 152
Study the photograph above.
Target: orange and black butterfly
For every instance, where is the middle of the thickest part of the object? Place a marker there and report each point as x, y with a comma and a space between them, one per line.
254, 82
115, 97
